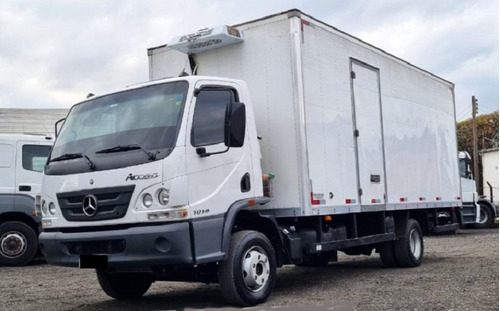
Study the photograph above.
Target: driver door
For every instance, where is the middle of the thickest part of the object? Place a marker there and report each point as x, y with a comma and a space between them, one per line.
215, 172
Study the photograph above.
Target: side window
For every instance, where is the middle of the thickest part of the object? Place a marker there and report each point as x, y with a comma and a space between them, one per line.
209, 117
34, 157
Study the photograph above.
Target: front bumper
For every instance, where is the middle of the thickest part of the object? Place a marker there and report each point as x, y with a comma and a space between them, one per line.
135, 247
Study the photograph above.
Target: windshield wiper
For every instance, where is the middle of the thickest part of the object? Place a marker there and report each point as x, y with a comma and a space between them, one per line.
119, 148
70, 156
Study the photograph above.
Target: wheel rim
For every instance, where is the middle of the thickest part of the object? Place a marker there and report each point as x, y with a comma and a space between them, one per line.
13, 244
256, 269
482, 216
415, 243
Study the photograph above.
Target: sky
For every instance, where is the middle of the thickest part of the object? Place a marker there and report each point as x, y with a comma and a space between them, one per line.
54, 52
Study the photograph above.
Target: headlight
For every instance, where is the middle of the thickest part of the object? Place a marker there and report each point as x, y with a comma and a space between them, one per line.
44, 208
52, 208
147, 200
164, 196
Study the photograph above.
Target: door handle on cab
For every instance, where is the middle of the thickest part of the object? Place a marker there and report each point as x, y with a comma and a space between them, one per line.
24, 188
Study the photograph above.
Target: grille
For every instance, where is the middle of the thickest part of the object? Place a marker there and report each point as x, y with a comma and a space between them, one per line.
112, 203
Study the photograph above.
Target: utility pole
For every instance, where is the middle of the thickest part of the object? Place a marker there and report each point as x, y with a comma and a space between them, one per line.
475, 156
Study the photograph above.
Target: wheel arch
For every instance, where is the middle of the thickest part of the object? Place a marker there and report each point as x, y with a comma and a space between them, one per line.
490, 205
240, 218
20, 217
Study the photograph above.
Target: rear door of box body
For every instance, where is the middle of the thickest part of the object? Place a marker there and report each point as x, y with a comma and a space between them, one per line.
368, 133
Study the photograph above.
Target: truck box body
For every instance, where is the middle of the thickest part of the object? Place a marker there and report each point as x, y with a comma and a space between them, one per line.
345, 126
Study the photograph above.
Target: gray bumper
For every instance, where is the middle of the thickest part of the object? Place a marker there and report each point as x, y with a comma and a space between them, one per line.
136, 247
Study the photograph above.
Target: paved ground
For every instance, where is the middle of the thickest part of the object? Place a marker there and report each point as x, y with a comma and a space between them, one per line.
459, 272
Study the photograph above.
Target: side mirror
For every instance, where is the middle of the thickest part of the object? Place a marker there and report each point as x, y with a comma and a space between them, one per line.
57, 128
235, 126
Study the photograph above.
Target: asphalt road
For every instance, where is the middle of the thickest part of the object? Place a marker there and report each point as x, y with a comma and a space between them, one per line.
459, 272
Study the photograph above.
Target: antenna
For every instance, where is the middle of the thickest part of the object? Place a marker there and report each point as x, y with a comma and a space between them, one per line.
47, 136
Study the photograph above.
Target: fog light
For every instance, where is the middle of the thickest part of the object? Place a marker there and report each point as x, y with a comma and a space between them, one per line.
147, 200
164, 196
46, 223
52, 208
166, 215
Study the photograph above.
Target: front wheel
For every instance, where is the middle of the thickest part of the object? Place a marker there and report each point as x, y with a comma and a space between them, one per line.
485, 217
247, 276
124, 285
18, 244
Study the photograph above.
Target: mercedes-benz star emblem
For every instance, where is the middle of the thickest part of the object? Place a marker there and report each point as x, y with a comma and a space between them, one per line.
89, 205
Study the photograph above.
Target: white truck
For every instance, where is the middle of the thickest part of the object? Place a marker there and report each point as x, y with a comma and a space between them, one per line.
173, 179
470, 211
479, 211
22, 158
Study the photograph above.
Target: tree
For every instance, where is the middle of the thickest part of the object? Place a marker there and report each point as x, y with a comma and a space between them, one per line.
487, 137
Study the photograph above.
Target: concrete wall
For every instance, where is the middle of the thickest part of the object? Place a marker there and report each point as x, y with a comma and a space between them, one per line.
39, 121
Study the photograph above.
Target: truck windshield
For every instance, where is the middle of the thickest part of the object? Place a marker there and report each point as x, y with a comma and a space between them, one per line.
148, 117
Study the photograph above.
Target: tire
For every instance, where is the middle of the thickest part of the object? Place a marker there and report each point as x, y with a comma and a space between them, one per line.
247, 276
124, 285
409, 250
387, 254
485, 217
18, 244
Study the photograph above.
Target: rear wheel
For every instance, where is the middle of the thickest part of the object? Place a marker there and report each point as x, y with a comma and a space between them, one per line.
247, 276
124, 285
18, 244
387, 254
409, 250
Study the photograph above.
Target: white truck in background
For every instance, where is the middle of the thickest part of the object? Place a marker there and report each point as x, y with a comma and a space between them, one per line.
478, 211
22, 158
469, 213
173, 179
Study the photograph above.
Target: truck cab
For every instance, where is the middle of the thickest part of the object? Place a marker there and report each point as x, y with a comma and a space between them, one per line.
469, 213
172, 154
485, 210
21, 167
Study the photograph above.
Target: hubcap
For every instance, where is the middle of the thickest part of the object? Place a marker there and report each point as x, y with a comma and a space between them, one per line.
255, 269
12, 244
415, 243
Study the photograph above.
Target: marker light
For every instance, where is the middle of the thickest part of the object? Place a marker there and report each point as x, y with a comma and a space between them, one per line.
314, 201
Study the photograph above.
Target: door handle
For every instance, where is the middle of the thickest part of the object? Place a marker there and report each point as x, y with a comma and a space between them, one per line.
24, 188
